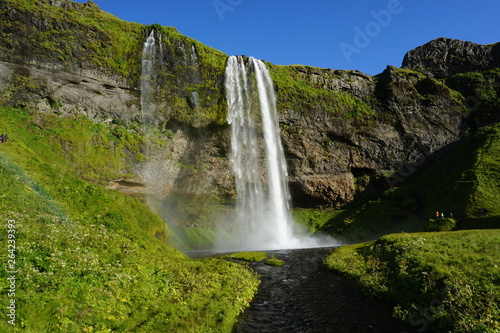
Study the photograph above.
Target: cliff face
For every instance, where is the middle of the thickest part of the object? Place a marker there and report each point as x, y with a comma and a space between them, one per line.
387, 122
343, 131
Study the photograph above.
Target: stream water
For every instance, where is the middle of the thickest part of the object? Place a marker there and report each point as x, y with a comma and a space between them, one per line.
302, 296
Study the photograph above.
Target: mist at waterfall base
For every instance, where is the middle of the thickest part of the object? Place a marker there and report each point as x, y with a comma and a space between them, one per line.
263, 219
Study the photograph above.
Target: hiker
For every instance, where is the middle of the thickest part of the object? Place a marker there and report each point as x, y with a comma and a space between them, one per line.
437, 215
3, 138
485, 212
442, 215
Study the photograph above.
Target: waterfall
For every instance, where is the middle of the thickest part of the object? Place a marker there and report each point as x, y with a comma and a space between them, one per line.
262, 216
148, 76
257, 159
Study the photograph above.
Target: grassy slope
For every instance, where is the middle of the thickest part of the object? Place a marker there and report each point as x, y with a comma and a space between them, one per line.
448, 281
463, 182
87, 258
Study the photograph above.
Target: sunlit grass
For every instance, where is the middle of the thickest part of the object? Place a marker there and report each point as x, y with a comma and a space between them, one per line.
91, 259
446, 280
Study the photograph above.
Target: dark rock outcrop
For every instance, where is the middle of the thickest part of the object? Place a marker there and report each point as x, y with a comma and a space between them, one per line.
444, 57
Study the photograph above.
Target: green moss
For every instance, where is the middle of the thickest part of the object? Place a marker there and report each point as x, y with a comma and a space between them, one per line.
255, 257
273, 261
247, 256
295, 90
94, 36
447, 281
481, 94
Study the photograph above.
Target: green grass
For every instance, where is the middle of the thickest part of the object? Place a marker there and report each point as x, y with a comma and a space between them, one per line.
313, 219
446, 224
269, 260
273, 261
90, 259
92, 151
443, 281
247, 256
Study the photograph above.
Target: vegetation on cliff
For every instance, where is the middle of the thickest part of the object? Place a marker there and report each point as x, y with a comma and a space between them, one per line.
91, 259
71, 36
440, 282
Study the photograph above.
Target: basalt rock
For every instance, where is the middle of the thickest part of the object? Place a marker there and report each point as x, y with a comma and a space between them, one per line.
444, 57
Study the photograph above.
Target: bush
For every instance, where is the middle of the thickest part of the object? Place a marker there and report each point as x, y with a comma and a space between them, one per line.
446, 224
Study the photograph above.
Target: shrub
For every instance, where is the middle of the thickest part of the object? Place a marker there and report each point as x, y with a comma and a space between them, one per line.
446, 224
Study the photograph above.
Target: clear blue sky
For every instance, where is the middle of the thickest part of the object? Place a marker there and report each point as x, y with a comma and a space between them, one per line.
366, 35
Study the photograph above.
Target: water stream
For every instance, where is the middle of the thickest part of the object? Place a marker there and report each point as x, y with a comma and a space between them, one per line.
302, 296
148, 76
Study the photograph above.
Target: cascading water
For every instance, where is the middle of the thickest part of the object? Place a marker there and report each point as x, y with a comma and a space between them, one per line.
148, 79
258, 161
263, 219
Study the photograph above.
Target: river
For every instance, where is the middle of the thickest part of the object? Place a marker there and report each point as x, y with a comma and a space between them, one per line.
302, 296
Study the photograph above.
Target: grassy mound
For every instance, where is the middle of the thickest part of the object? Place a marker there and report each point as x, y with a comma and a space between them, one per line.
269, 260
444, 281
247, 256
89, 259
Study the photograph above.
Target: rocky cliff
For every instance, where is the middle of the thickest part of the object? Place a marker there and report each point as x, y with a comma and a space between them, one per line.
345, 133
444, 57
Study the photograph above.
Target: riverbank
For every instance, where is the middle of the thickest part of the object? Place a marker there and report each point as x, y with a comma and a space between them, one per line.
438, 282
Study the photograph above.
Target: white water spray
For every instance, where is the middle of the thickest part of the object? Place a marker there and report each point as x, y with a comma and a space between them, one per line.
258, 161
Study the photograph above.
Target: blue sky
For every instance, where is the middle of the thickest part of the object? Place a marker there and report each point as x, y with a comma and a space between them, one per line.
366, 35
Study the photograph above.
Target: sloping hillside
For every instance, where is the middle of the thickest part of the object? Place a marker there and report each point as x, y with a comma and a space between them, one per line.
90, 259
